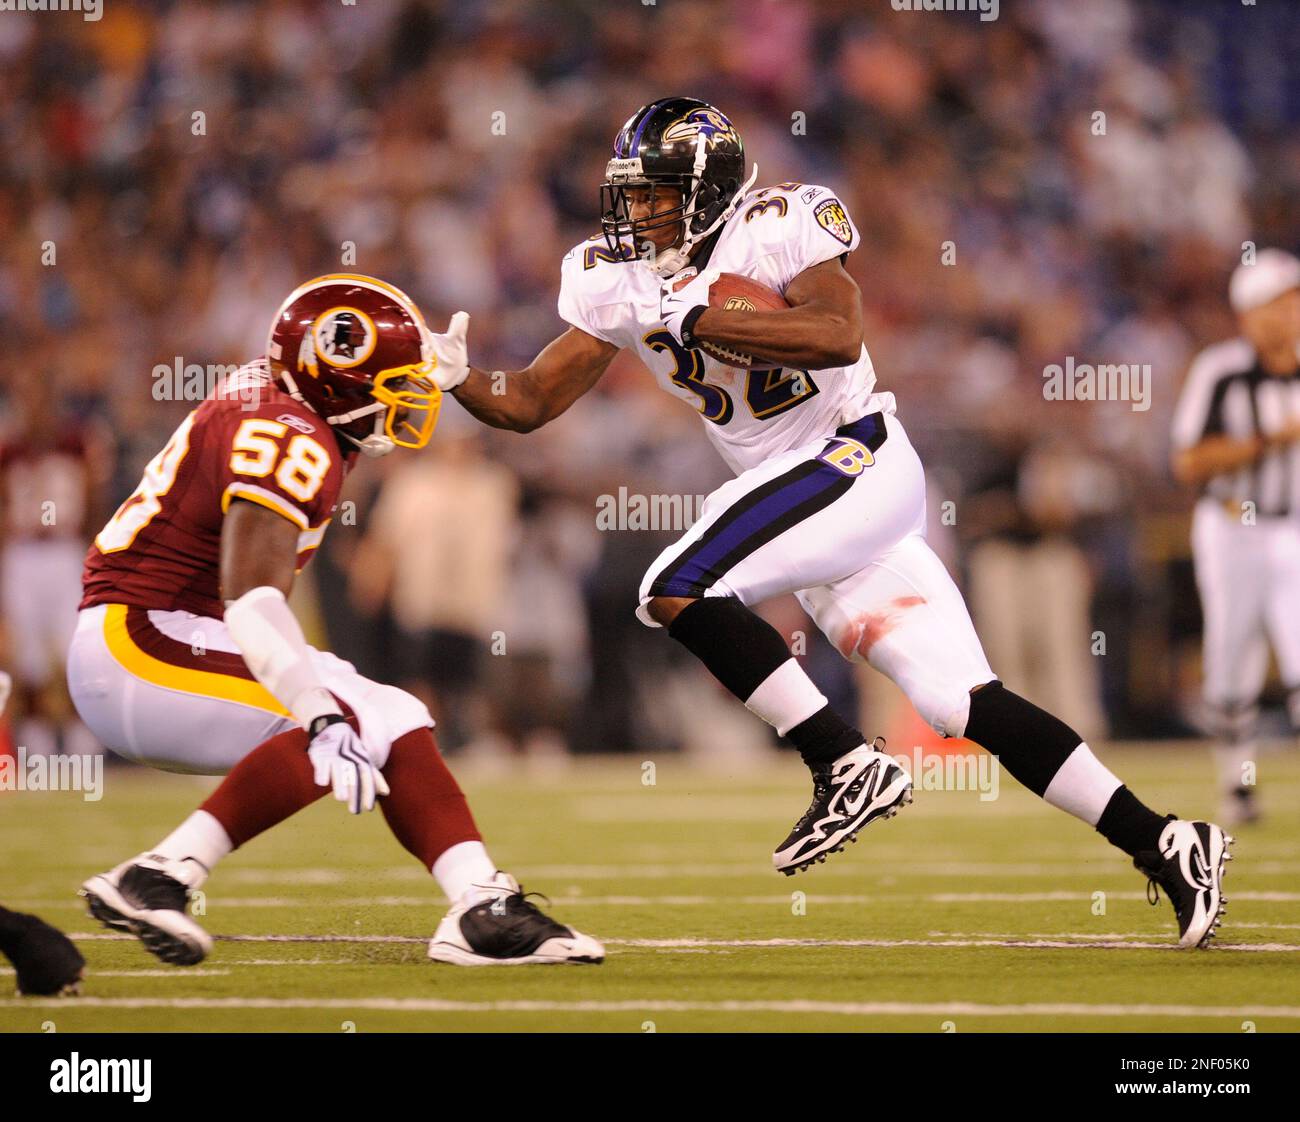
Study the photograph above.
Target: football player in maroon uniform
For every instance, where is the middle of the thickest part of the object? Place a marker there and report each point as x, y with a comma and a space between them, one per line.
187, 656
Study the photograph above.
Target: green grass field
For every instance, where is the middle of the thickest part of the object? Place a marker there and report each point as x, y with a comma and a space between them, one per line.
959, 915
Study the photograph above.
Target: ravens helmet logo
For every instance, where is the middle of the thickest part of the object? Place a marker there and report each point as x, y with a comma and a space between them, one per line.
707, 121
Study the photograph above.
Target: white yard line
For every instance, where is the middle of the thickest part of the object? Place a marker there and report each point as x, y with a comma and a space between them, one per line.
1018, 943
654, 1005
1085, 934
1071, 871
1039, 897
171, 972
217, 902
1015, 942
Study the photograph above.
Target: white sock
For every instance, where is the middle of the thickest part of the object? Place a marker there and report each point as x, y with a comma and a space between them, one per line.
786, 697
1082, 785
463, 866
201, 837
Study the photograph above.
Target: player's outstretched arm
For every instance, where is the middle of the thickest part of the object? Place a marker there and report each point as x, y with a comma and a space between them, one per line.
521, 400
822, 328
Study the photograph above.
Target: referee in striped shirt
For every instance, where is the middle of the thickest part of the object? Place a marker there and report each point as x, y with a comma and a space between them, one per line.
1236, 437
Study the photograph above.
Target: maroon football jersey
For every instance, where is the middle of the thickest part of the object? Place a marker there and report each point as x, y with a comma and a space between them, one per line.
247, 440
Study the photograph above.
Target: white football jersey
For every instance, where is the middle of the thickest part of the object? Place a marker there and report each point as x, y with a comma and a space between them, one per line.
750, 415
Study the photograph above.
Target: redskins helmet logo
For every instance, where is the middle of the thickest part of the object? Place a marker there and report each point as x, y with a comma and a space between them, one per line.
710, 122
344, 337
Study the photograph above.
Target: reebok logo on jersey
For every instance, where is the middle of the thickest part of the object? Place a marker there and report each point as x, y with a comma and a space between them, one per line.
296, 422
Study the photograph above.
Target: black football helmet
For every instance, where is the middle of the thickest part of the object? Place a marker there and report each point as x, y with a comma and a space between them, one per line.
678, 142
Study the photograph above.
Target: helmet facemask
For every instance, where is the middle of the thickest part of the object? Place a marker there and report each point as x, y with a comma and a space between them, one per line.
404, 401
413, 402
704, 207
622, 230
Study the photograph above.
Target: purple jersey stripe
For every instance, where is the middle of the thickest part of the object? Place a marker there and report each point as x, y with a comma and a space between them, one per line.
695, 569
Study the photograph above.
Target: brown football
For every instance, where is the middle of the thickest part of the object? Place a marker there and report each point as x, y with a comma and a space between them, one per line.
732, 292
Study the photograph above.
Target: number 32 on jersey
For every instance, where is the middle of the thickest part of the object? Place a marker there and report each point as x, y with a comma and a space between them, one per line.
767, 392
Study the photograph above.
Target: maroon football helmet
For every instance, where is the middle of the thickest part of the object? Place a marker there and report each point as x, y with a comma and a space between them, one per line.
356, 351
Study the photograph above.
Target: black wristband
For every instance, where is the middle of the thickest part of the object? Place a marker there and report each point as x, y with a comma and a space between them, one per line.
323, 722
688, 325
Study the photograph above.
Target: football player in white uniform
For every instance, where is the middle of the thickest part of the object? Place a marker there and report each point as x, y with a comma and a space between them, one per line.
828, 500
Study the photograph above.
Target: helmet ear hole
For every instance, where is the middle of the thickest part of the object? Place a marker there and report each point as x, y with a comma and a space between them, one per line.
707, 199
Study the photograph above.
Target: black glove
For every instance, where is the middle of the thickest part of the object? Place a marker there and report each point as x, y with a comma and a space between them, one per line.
46, 960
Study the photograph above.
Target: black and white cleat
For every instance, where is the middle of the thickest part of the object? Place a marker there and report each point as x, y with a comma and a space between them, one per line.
858, 788
147, 897
497, 925
1189, 866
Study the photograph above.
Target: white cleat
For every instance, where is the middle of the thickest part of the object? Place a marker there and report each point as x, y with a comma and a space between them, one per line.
855, 790
147, 897
1189, 866
494, 924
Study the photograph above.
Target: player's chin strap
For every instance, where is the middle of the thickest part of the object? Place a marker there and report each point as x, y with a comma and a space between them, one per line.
374, 445
672, 261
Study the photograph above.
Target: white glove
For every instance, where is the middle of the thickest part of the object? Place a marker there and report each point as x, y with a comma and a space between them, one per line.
674, 307
340, 760
452, 352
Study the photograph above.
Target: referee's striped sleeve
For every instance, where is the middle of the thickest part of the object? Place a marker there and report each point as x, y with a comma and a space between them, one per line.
1197, 401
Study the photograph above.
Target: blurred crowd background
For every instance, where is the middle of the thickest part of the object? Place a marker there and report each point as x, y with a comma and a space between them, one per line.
1070, 179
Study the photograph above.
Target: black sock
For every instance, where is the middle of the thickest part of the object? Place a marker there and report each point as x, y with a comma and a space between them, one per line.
1130, 825
742, 650
1033, 745
824, 737
739, 648
1029, 742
